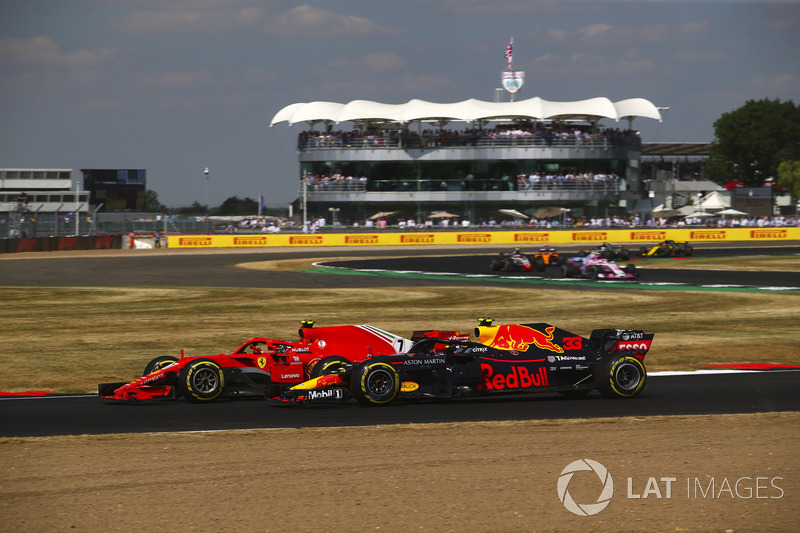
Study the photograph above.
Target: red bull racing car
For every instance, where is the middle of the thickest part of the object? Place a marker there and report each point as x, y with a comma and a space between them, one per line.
262, 367
517, 358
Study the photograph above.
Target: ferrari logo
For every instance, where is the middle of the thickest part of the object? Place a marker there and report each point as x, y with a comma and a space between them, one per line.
262, 362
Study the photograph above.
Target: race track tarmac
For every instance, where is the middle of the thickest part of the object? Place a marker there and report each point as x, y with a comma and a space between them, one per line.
747, 392
177, 269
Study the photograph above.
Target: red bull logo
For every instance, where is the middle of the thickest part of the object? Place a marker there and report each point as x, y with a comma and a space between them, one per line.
519, 378
516, 337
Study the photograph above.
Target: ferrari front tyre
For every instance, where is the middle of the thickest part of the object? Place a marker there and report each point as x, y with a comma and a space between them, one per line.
202, 381
328, 365
375, 384
158, 363
620, 377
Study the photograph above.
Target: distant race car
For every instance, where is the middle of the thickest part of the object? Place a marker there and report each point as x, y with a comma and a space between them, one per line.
515, 358
514, 261
547, 256
614, 252
595, 266
262, 367
668, 248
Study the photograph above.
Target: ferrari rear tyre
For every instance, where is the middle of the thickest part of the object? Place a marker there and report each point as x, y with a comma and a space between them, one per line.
158, 363
620, 377
202, 381
328, 365
375, 384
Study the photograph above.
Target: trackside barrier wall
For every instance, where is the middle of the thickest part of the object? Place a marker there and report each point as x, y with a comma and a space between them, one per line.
50, 244
520, 238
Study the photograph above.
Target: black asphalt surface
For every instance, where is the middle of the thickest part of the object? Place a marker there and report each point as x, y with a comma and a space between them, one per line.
220, 270
664, 395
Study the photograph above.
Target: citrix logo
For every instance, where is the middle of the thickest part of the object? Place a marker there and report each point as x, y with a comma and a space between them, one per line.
585, 509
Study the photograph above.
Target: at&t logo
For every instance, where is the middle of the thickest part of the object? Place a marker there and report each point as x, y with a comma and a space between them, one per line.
585, 509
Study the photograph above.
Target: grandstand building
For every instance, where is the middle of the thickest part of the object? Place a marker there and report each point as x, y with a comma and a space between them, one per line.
468, 158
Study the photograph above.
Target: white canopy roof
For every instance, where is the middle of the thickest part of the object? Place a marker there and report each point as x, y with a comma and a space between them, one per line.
466, 111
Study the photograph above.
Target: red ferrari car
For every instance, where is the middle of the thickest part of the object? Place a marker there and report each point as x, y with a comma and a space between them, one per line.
261, 367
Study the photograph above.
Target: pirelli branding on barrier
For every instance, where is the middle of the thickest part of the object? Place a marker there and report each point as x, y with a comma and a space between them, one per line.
707, 235
194, 242
585, 237
769, 233
531, 237
638, 236
361, 239
250, 241
306, 240
428, 238
589, 236
474, 238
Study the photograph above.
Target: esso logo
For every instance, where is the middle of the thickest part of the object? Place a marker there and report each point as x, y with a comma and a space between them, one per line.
633, 346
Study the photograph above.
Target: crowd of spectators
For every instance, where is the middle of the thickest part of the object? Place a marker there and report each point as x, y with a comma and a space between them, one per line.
335, 182
451, 221
536, 181
556, 135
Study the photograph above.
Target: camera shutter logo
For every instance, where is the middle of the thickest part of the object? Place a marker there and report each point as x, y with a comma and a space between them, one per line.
585, 509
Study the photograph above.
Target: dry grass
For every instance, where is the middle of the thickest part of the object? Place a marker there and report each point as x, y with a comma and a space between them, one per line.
70, 339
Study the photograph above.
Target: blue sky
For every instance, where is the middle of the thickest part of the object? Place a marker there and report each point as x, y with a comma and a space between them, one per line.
175, 86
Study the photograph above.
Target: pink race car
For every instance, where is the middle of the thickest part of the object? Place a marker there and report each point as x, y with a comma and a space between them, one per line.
595, 266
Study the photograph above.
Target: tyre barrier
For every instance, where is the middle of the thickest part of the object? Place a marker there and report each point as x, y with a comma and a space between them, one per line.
51, 244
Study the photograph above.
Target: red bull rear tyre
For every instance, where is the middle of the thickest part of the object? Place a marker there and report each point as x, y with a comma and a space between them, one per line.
623, 376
